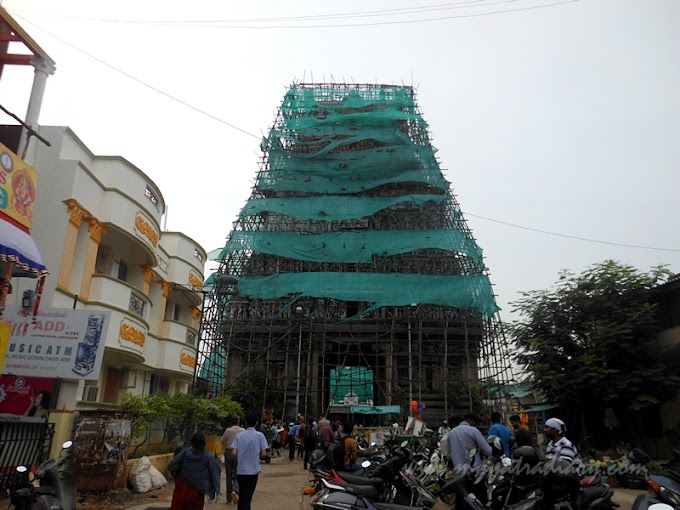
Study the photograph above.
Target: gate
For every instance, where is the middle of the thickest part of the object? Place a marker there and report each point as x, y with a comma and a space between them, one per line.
22, 444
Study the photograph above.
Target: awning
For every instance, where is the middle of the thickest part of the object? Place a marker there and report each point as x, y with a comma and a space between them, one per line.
538, 408
376, 409
19, 247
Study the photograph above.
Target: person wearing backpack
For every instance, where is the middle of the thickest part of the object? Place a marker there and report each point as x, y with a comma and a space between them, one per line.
309, 438
351, 451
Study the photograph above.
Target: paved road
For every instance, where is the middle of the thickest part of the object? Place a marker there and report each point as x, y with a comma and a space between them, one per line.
281, 484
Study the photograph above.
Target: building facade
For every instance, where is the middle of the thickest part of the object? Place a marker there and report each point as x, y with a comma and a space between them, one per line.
97, 220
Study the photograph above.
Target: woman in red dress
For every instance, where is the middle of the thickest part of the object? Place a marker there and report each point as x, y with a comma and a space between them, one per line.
196, 474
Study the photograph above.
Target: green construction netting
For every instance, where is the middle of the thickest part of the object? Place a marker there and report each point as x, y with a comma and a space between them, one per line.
351, 385
331, 141
350, 172
350, 247
331, 207
383, 290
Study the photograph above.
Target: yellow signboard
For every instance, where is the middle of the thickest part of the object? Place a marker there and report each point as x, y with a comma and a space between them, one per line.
17, 187
5, 331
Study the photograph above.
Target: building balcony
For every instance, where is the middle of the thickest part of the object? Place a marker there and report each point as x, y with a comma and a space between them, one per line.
174, 330
119, 295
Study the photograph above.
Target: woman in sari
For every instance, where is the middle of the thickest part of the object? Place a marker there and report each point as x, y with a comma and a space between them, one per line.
196, 475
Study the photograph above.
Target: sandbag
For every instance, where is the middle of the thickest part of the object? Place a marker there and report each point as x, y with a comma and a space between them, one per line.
157, 479
140, 479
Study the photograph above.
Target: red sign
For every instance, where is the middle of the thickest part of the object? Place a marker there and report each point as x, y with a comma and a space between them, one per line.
27, 396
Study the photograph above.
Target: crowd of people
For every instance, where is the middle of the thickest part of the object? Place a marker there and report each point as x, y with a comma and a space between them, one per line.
197, 473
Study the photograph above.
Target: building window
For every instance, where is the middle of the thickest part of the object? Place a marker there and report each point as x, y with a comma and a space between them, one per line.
159, 384
198, 255
176, 313
151, 196
191, 337
122, 271
136, 304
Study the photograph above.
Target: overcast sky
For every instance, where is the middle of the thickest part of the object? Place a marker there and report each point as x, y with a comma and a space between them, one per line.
554, 115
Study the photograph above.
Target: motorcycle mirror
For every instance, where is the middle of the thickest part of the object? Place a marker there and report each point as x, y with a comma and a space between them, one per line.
67, 444
404, 444
22, 469
365, 464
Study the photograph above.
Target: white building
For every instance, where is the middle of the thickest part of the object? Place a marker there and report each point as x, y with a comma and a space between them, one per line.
97, 224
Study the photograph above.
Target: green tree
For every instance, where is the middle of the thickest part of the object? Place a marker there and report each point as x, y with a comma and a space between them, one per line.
178, 415
591, 341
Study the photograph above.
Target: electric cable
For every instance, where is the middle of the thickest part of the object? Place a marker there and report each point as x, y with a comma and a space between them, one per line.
378, 23
155, 89
570, 236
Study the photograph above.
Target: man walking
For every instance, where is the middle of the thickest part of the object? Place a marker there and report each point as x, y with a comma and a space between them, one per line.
293, 437
248, 447
229, 459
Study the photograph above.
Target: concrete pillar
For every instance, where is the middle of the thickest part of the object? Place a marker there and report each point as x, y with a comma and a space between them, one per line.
43, 69
165, 288
76, 214
96, 230
148, 275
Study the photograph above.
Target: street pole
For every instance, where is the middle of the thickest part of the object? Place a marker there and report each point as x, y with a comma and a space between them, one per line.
410, 368
297, 382
298, 312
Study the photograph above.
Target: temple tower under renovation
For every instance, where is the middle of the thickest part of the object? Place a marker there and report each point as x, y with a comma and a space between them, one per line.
351, 282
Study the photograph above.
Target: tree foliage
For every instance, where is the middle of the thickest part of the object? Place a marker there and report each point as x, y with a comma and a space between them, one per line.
592, 339
178, 415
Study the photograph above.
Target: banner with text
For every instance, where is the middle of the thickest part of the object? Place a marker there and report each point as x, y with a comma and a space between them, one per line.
59, 342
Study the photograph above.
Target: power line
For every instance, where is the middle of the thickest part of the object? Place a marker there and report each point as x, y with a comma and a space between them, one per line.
344, 25
155, 89
379, 12
569, 236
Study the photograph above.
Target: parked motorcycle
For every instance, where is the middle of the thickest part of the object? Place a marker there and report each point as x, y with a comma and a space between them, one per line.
662, 489
56, 489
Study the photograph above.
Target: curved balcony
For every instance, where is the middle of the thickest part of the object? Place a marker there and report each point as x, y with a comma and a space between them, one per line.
173, 330
118, 295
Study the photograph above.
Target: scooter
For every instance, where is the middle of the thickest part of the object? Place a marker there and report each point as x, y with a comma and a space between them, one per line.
663, 490
56, 490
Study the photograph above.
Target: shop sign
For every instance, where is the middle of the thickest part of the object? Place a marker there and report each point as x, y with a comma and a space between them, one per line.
57, 343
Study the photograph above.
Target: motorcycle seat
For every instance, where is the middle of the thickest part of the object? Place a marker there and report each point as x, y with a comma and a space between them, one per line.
589, 494
362, 480
45, 491
367, 491
392, 506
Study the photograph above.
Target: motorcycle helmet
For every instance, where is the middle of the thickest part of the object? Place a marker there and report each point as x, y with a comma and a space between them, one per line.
496, 446
317, 457
525, 455
524, 461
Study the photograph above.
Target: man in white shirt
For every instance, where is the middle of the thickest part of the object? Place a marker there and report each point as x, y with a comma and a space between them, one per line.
559, 446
